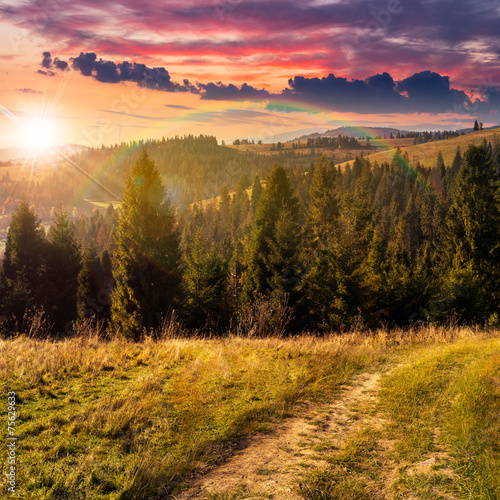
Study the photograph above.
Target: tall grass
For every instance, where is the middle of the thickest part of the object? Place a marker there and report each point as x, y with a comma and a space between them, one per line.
111, 419
115, 419
448, 398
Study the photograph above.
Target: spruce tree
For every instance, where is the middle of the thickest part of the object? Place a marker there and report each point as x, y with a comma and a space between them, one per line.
94, 286
319, 282
256, 194
22, 277
277, 199
63, 266
147, 256
323, 205
473, 228
205, 287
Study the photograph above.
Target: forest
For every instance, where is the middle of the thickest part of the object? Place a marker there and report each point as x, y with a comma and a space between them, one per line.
309, 247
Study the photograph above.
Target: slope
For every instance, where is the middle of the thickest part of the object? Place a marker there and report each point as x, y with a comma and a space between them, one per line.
427, 153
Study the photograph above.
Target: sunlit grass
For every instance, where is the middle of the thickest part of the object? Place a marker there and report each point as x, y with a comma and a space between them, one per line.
449, 398
124, 420
118, 420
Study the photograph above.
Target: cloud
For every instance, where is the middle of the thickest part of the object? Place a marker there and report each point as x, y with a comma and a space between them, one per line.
46, 73
423, 92
178, 106
49, 64
110, 72
47, 60
219, 91
29, 91
60, 65
431, 92
356, 37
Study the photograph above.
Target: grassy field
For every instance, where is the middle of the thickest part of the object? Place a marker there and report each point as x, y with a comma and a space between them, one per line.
440, 437
117, 420
427, 153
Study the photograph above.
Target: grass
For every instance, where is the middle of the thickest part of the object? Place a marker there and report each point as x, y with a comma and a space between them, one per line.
427, 153
236, 494
442, 404
456, 390
120, 420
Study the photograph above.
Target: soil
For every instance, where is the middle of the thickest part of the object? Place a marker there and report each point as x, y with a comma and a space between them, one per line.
271, 465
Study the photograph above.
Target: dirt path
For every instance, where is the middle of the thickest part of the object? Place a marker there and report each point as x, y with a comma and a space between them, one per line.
271, 465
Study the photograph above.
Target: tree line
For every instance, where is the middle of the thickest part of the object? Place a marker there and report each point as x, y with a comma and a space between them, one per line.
192, 168
321, 249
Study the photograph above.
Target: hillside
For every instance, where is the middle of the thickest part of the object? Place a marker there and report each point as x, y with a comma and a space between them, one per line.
43, 154
366, 415
358, 132
427, 153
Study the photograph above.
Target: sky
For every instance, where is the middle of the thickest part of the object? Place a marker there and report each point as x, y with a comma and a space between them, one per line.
99, 72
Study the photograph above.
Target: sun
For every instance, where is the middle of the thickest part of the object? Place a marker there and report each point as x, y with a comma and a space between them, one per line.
38, 133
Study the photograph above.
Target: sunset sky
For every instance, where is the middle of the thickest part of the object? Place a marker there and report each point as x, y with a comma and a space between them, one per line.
94, 72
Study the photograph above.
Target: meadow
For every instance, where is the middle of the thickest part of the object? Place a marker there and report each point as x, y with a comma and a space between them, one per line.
114, 419
427, 153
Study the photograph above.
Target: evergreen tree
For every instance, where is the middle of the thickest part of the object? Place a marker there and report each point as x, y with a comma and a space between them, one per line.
94, 286
205, 287
473, 226
147, 257
320, 279
63, 266
22, 277
440, 164
256, 194
277, 199
323, 205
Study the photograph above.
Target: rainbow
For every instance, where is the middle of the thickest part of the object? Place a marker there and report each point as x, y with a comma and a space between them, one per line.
279, 105
277, 124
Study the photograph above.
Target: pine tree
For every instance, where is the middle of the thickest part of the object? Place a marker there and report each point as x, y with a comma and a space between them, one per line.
323, 205
256, 194
440, 165
278, 198
147, 257
283, 274
205, 287
22, 277
94, 286
473, 226
319, 282
63, 266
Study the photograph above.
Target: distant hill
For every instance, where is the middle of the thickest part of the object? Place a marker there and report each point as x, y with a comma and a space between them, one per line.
363, 132
357, 132
284, 137
18, 154
427, 153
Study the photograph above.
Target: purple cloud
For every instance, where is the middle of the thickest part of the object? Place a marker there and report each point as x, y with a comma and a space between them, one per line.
29, 91
423, 92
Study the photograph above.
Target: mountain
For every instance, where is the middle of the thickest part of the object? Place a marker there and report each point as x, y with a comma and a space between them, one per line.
284, 137
20, 154
373, 132
427, 153
357, 132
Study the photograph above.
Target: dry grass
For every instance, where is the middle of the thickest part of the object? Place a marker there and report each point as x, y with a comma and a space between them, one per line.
117, 420
441, 441
427, 153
